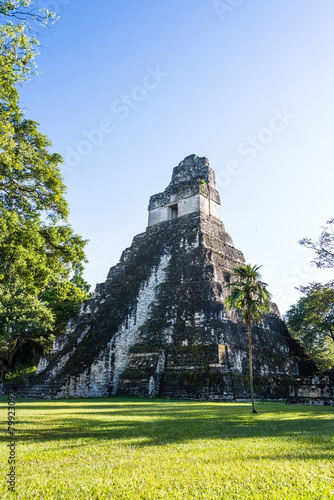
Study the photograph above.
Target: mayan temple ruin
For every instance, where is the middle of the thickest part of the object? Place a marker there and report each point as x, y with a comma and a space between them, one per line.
158, 326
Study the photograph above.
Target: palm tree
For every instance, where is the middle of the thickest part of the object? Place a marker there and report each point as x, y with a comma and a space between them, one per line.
250, 295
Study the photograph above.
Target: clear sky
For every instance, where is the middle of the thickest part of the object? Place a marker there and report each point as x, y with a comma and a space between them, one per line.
128, 89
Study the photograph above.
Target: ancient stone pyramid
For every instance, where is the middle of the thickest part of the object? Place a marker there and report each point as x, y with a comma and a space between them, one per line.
158, 326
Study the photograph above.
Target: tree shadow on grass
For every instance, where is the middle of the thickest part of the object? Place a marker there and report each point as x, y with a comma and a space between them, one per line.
144, 423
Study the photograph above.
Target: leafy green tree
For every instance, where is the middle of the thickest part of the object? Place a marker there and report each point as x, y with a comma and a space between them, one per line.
29, 324
18, 47
311, 321
250, 296
23, 319
64, 300
39, 252
36, 242
324, 247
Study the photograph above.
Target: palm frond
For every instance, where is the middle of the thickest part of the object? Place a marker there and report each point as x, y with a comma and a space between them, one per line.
249, 294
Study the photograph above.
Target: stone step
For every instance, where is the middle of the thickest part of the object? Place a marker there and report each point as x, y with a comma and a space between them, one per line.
38, 391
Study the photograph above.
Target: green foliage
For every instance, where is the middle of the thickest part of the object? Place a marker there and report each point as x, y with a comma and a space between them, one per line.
29, 322
131, 448
23, 319
34, 247
39, 252
249, 294
324, 247
30, 177
311, 321
36, 252
18, 375
18, 48
64, 300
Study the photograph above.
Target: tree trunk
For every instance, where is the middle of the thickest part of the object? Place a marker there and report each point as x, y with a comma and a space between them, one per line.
251, 366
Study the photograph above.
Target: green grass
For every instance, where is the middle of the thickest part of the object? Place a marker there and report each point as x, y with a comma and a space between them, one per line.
128, 448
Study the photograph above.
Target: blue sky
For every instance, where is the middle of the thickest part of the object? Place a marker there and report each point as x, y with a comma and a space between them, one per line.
128, 89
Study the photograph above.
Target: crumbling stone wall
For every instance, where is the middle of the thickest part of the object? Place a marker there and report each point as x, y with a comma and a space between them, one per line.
317, 389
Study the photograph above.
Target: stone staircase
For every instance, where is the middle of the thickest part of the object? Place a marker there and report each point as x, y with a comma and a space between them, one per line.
43, 391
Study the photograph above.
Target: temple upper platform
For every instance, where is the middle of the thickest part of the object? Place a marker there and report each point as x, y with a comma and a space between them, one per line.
192, 189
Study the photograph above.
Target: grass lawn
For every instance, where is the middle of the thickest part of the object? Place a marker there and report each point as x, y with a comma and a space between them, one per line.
129, 448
